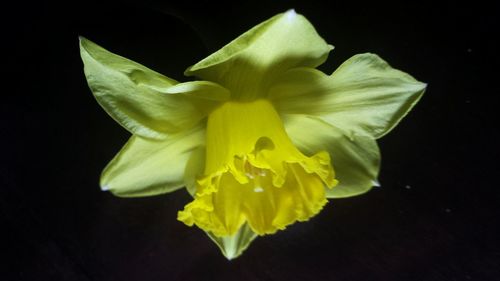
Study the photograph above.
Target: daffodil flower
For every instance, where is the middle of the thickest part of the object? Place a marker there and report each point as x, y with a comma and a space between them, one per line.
263, 140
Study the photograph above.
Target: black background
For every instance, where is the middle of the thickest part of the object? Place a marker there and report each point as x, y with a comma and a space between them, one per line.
434, 218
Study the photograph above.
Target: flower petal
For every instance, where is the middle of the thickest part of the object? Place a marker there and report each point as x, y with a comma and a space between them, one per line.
356, 161
233, 246
364, 96
201, 89
142, 100
146, 167
250, 62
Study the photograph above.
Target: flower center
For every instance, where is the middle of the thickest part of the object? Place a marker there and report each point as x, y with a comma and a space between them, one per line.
254, 174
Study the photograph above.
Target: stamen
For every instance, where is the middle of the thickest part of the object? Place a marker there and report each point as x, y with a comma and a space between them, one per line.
253, 172
258, 189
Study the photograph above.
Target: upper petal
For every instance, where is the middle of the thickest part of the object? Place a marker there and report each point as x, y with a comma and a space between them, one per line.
143, 101
356, 160
364, 96
147, 167
250, 62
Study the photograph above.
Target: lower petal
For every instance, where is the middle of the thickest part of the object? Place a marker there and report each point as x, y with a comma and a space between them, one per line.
134, 171
356, 159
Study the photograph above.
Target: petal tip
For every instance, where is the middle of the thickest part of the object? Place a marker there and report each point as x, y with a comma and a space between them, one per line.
290, 14
84, 42
230, 256
105, 187
376, 183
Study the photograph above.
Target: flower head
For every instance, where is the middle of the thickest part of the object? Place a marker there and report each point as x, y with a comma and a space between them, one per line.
263, 140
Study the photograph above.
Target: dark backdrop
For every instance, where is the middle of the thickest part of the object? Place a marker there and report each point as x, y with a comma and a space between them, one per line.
434, 218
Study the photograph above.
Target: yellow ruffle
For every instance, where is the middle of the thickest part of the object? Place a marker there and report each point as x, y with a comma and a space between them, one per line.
254, 174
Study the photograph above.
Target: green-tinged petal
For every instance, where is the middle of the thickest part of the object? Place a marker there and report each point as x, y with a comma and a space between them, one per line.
143, 101
249, 63
233, 246
364, 96
201, 89
356, 161
147, 167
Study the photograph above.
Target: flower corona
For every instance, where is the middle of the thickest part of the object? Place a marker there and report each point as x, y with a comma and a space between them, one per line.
254, 174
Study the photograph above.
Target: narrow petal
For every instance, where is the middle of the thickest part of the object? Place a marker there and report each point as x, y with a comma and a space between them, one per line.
356, 161
250, 62
143, 101
146, 167
233, 246
364, 96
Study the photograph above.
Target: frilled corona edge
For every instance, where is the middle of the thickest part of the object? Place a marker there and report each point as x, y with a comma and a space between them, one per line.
255, 175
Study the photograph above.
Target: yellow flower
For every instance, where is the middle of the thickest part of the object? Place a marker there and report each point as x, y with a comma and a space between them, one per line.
255, 141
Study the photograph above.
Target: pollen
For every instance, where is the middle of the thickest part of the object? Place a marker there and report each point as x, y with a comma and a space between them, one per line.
258, 189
